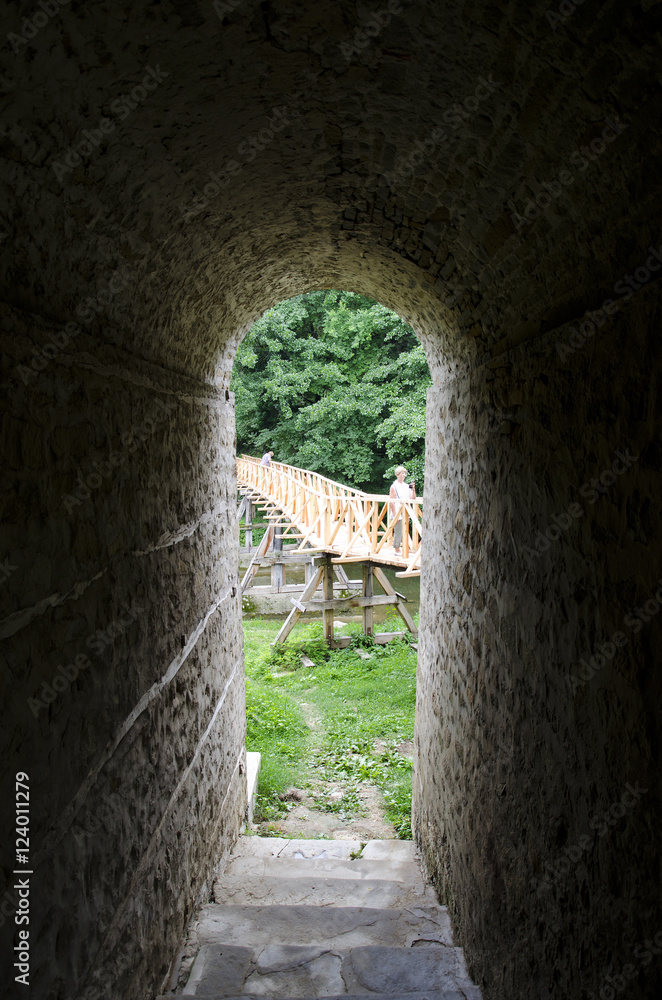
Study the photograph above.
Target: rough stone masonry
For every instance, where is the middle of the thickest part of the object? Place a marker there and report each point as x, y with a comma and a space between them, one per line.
127, 283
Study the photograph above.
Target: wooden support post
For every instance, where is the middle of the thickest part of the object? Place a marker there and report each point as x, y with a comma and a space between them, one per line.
278, 569
248, 523
327, 588
368, 627
405, 533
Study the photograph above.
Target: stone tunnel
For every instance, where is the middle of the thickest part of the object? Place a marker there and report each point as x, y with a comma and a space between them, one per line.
488, 170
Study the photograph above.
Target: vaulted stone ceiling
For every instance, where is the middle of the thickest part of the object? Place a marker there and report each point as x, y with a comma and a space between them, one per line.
393, 154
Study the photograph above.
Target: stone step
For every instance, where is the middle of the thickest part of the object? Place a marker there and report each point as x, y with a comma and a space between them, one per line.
281, 847
389, 851
407, 872
274, 890
284, 971
332, 926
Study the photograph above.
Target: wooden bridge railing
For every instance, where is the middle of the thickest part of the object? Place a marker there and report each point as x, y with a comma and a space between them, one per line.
330, 517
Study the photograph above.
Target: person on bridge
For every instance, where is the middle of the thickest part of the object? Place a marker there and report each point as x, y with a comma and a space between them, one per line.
266, 458
400, 490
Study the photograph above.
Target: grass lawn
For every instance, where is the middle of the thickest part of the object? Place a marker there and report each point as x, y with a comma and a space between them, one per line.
339, 723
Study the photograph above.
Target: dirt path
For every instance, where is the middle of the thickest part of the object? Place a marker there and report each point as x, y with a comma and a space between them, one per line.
360, 817
305, 820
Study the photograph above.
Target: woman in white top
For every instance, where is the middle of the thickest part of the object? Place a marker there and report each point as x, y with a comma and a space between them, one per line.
400, 490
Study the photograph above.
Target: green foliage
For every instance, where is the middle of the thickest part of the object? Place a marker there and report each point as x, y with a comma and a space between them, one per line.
287, 655
258, 529
334, 382
397, 796
271, 716
358, 760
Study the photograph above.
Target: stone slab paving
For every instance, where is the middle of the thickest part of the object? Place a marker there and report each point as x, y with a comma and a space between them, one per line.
451, 993
295, 919
297, 971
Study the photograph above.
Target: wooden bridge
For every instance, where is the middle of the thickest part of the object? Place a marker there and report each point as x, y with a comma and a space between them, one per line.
337, 524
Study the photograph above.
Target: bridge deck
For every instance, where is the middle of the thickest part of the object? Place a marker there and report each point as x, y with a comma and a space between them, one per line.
328, 517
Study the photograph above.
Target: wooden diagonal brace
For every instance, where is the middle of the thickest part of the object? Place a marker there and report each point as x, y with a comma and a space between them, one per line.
254, 564
385, 584
299, 607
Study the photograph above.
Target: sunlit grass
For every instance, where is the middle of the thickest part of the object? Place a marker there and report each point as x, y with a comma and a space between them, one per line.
365, 707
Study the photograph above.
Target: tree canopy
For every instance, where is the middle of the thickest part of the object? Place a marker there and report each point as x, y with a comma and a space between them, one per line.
334, 382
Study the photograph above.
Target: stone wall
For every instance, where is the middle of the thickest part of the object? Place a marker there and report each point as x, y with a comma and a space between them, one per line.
537, 774
123, 671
